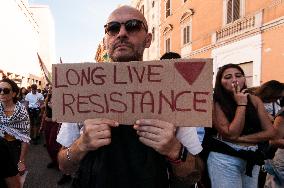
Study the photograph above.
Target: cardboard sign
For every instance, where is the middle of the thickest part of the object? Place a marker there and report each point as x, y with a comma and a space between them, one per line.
177, 91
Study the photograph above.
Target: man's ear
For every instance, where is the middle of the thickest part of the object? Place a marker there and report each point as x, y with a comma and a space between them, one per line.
148, 40
104, 43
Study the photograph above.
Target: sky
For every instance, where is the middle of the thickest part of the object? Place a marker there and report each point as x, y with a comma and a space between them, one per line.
79, 26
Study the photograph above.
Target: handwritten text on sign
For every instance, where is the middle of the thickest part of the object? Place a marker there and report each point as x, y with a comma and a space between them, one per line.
177, 91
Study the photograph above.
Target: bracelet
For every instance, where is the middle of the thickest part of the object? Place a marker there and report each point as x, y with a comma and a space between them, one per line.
242, 105
21, 161
68, 154
175, 161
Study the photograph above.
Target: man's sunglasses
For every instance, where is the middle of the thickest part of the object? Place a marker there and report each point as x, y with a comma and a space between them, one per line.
131, 26
5, 90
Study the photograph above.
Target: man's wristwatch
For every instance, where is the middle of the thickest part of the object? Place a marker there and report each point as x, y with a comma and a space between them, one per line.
181, 157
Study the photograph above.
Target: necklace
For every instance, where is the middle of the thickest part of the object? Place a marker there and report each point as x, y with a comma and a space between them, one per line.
8, 110
11, 109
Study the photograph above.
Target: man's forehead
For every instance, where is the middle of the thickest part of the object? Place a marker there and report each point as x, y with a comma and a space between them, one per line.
125, 13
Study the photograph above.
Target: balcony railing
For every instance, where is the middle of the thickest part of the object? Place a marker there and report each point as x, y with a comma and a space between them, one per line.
236, 27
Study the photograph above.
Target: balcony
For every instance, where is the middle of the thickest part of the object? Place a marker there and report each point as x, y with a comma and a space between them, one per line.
239, 26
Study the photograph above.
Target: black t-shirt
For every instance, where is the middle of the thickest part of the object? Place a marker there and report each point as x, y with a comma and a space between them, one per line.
282, 102
280, 112
7, 167
125, 163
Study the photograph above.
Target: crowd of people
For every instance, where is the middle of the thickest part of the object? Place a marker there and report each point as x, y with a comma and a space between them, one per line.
25, 113
246, 138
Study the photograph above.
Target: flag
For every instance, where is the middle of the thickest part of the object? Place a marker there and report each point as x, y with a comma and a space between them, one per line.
102, 54
44, 70
3, 74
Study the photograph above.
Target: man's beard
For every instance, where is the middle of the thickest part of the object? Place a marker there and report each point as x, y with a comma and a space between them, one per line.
126, 58
136, 55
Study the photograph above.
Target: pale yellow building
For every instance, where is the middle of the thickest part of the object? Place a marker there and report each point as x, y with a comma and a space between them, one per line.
151, 11
44, 18
23, 34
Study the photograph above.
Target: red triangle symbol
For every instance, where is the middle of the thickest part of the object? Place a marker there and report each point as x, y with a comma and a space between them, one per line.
189, 70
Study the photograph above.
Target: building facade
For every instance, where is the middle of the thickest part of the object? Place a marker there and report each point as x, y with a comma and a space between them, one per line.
44, 18
22, 38
244, 32
151, 11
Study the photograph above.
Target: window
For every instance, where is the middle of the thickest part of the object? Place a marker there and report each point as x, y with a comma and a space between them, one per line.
233, 10
168, 8
168, 45
142, 9
153, 4
248, 69
184, 1
186, 35
153, 34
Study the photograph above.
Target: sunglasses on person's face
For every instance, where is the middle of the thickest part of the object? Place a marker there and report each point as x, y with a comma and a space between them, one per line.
131, 26
5, 90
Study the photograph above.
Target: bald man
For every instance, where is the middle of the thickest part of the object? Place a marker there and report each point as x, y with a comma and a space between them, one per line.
110, 155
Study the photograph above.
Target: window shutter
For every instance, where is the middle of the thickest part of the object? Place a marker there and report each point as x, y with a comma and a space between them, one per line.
142, 9
153, 34
236, 10
168, 45
168, 8
184, 36
229, 11
187, 34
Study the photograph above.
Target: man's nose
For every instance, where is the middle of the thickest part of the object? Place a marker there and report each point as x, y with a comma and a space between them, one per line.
122, 32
